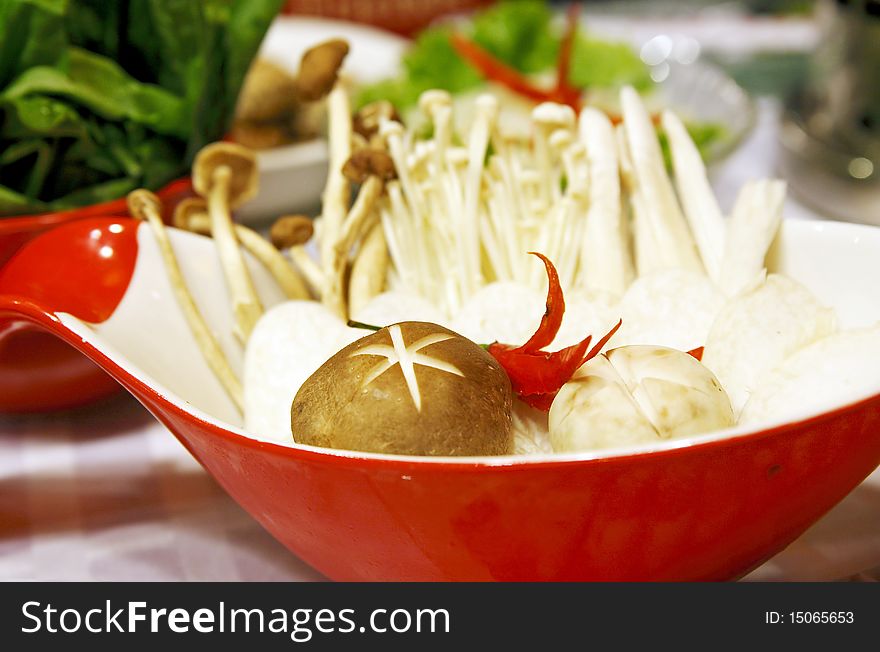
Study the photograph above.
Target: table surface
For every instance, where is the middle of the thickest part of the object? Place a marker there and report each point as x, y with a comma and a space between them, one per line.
107, 493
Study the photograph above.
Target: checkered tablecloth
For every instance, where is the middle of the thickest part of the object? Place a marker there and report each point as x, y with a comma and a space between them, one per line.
106, 493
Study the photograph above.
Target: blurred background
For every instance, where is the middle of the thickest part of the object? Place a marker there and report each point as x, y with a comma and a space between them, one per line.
811, 65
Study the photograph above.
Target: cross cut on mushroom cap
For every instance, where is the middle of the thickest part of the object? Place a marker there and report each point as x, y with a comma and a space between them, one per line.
449, 397
407, 357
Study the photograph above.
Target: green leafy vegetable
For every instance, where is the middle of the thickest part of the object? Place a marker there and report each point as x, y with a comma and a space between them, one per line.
522, 34
98, 98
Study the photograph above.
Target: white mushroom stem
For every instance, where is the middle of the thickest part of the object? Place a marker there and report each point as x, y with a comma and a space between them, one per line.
700, 206
368, 271
648, 257
753, 225
664, 216
207, 343
605, 257
356, 224
437, 106
310, 270
261, 249
548, 117
336, 191
246, 305
478, 141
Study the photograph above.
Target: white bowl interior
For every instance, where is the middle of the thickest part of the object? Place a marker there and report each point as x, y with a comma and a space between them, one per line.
148, 336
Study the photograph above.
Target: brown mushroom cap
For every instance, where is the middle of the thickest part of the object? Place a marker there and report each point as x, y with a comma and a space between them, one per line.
264, 135
291, 230
242, 163
366, 120
463, 407
186, 210
369, 161
268, 92
319, 69
141, 202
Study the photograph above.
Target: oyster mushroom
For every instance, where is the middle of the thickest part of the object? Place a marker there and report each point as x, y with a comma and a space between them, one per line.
637, 394
413, 388
226, 175
146, 206
192, 215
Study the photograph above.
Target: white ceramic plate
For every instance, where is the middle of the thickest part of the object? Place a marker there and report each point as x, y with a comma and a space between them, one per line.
292, 177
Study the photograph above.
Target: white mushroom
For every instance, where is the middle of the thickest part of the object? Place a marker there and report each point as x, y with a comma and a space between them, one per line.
437, 106
335, 199
637, 395
757, 330
368, 271
370, 168
605, 259
699, 203
647, 254
548, 117
478, 142
667, 224
833, 371
753, 225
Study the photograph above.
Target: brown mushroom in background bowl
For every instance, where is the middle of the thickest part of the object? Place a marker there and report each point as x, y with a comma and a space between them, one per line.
413, 388
282, 111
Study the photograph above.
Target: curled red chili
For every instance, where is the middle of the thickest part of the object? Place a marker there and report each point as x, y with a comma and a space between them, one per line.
536, 375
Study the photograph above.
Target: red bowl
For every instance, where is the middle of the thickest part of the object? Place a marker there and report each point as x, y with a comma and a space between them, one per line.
709, 509
40, 373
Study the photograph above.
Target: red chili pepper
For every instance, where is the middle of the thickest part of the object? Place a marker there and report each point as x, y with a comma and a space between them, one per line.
495, 70
697, 353
552, 319
536, 375
564, 91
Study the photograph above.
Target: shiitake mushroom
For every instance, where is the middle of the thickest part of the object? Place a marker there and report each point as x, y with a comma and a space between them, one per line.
413, 388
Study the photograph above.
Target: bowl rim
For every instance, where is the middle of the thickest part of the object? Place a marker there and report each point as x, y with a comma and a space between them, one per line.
74, 331
111, 208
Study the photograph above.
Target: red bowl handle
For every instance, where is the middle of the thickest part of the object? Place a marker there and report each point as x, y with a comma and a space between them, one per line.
82, 268
16, 231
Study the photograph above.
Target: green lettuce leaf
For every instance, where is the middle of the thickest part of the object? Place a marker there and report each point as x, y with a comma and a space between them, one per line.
524, 35
98, 98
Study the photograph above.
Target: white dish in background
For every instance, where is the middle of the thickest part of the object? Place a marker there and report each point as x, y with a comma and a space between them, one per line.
292, 177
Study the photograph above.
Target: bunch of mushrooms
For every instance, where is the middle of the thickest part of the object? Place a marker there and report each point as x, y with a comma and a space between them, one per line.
277, 108
450, 222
